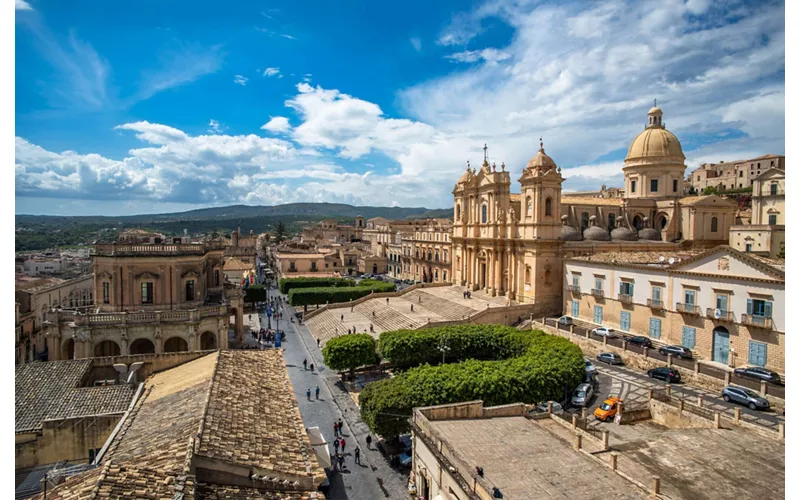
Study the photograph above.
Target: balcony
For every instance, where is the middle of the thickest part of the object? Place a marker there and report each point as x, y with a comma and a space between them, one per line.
625, 298
597, 293
655, 304
723, 316
574, 289
687, 309
757, 321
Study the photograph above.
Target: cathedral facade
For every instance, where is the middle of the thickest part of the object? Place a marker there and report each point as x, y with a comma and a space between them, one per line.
513, 244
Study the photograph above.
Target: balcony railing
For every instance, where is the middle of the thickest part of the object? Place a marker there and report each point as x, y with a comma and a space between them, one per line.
758, 321
655, 304
723, 315
597, 292
626, 298
574, 288
687, 309
140, 317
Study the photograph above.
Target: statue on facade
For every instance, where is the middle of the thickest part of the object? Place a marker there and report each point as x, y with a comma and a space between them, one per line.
511, 215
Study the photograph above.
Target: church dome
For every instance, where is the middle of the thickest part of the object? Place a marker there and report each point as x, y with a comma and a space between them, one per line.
594, 232
541, 161
655, 142
622, 233
648, 233
569, 233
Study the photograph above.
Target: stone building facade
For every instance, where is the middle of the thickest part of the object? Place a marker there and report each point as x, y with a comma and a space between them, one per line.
725, 305
766, 233
430, 252
150, 298
739, 174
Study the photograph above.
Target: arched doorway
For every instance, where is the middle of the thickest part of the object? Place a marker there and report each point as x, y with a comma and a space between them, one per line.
374, 268
611, 222
176, 344
106, 348
637, 222
68, 349
661, 221
208, 341
142, 346
721, 346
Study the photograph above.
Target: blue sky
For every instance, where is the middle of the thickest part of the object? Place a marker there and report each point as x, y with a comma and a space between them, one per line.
140, 107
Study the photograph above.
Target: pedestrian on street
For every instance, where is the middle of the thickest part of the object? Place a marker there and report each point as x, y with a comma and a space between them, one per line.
308, 394
373, 314
343, 443
342, 318
316, 392
311, 366
369, 442
305, 364
387, 301
412, 308
358, 455
371, 329
420, 298
341, 462
341, 426
336, 446
318, 342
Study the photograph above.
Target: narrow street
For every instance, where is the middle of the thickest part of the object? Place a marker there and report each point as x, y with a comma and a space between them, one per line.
374, 478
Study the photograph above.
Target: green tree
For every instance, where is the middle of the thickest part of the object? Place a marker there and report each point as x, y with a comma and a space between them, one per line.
348, 352
710, 190
255, 293
280, 232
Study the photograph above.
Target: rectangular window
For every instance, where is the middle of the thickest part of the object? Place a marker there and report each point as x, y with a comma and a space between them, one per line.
633, 187
598, 315
190, 290
598, 283
625, 321
626, 288
688, 297
216, 277
106, 293
758, 307
575, 308
313, 266
656, 296
773, 219
757, 354
675, 186
748, 247
576, 280
687, 339
741, 173
147, 293
722, 302
291, 266
773, 189
655, 328
653, 185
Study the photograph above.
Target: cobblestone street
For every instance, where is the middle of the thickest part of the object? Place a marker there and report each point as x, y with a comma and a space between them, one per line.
374, 478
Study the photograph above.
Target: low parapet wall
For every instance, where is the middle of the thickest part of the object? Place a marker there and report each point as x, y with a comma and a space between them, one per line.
373, 295
103, 367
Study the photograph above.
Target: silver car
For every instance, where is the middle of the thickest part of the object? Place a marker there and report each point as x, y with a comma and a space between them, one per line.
745, 397
582, 395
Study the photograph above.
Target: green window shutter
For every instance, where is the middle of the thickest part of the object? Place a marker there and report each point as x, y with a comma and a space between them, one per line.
749, 306
768, 309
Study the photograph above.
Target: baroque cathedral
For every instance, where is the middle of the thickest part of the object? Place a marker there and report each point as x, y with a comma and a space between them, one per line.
512, 244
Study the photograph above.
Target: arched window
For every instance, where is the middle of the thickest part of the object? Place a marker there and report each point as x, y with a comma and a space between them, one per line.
611, 222
527, 274
584, 220
529, 204
547, 277
458, 212
484, 213
714, 224
436, 256
637, 222
548, 206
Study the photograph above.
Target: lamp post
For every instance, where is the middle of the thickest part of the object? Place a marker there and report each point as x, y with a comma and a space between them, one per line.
444, 348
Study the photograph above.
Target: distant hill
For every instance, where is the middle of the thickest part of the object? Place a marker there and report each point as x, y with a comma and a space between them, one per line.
36, 232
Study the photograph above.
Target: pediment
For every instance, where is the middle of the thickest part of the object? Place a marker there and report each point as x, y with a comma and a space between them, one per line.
147, 276
191, 273
724, 260
105, 275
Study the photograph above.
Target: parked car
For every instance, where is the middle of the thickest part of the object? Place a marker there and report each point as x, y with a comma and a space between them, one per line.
565, 320
745, 397
757, 373
610, 358
582, 395
666, 374
676, 350
608, 410
604, 331
640, 340
557, 408
590, 368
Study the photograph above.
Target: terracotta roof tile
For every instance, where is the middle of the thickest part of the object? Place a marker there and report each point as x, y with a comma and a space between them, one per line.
219, 492
588, 200
39, 388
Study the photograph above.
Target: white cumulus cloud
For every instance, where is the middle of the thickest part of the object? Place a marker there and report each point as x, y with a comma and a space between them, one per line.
240, 80
277, 124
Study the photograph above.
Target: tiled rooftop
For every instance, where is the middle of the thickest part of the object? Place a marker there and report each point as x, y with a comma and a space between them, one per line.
51, 390
566, 199
215, 407
637, 257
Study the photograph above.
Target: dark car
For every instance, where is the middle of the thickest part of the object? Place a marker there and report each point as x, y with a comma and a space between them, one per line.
610, 358
745, 397
676, 350
756, 373
667, 374
641, 341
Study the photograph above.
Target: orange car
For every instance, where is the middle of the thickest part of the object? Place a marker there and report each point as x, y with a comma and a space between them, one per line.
608, 410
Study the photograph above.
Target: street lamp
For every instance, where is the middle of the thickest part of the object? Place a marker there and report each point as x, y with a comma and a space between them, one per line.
444, 348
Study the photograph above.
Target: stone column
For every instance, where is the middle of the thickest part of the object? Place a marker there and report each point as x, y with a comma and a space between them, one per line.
498, 273
489, 284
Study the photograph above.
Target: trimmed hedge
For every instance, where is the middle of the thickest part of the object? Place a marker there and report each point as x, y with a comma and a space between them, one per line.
286, 284
409, 348
255, 293
348, 352
331, 295
542, 367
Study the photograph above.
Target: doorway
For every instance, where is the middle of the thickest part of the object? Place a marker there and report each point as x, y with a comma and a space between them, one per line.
722, 342
483, 275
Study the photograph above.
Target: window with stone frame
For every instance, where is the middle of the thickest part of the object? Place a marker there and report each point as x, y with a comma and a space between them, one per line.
147, 292
189, 290
106, 292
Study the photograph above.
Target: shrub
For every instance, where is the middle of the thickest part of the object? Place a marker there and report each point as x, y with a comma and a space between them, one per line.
255, 293
538, 367
286, 284
349, 352
331, 295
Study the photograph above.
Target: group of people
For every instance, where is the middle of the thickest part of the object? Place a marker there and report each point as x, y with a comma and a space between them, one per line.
339, 443
467, 294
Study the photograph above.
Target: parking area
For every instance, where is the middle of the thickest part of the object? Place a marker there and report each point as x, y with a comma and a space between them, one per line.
581, 327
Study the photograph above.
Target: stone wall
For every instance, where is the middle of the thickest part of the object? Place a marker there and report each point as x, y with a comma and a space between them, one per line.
69, 439
103, 367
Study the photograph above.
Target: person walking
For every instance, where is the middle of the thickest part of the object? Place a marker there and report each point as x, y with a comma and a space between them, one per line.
341, 427
305, 364
335, 429
369, 442
373, 314
318, 342
311, 366
316, 392
341, 462
336, 446
371, 329
387, 301
358, 455
412, 308
342, 318
343, 443
308, 394
420, 298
